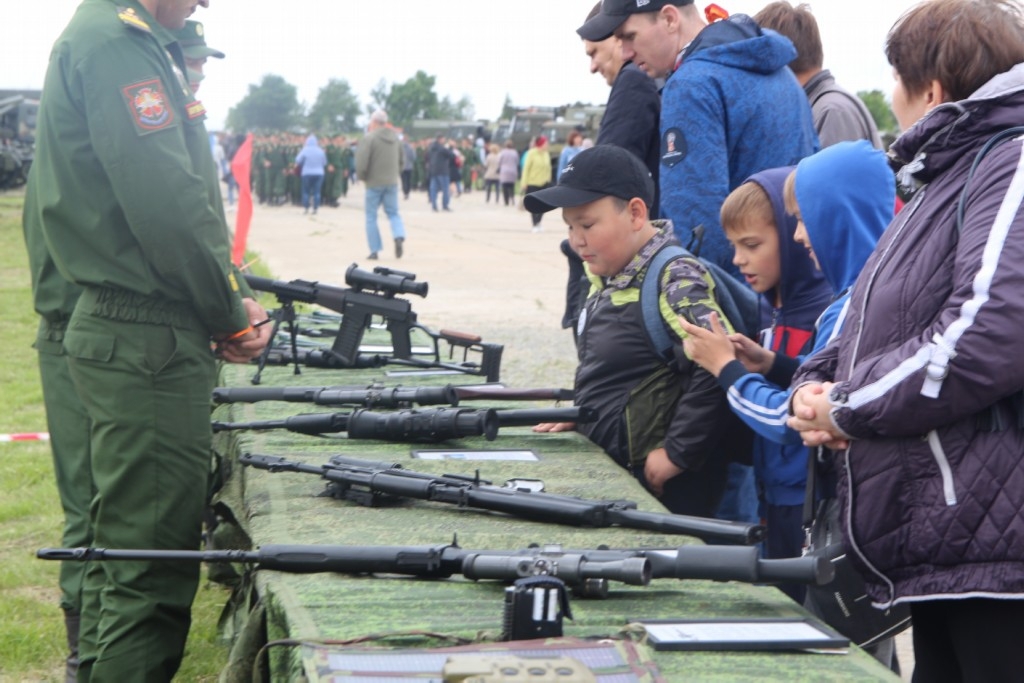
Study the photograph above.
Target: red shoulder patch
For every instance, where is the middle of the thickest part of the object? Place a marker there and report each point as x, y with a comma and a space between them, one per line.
149, 105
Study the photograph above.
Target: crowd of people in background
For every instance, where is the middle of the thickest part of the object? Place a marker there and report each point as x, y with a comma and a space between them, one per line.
886, 347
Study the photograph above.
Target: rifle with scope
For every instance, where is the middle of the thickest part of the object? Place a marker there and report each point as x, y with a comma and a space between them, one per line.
372, 295
372, 483
587, 571
379, 396
416, 426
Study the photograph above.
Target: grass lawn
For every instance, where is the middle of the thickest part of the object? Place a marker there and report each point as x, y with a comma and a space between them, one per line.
32, 645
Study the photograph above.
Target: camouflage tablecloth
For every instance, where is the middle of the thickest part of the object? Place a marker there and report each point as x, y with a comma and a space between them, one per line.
320, 608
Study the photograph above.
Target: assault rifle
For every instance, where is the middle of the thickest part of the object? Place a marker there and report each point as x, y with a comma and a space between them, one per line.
373, 295
372, 483
587, 571
377, 395
416, 426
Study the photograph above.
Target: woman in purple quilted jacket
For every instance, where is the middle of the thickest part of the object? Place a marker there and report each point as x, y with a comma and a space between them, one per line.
922, 396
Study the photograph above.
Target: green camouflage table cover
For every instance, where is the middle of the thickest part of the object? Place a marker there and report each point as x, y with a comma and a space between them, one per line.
321, 608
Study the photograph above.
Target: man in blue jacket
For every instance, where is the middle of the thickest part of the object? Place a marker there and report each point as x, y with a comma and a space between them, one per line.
729, 108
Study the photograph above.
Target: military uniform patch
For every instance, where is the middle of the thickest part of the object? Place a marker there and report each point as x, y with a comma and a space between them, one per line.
149, 106
673, 147
129, 17
194, 110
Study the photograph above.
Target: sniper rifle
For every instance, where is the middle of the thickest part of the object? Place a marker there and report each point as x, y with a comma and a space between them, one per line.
370, 483
416, 426
377, 395
370, 295
588, 571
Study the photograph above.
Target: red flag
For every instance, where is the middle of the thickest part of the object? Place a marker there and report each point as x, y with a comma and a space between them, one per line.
241, 167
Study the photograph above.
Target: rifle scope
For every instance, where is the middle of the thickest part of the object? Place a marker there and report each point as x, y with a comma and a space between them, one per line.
437, 424
384, 280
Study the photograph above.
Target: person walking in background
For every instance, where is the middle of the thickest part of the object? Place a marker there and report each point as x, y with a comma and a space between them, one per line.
408, 161
455, 168
492, 178
920, 397
379, 160
439, 156
313, 161
838, 115
537, 174
508, 172
571, 149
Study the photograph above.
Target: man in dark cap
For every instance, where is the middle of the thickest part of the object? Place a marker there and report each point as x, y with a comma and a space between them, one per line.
664, 418
726, 113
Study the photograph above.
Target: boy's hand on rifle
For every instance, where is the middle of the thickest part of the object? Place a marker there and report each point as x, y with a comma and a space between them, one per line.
555, 427
709, 348
658, 469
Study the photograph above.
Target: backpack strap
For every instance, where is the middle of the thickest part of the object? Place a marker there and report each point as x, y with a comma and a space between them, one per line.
650, 294
985, 149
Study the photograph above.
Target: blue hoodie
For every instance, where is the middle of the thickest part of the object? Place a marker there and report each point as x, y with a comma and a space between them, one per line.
732, 108
846, 195
788, 328
312, 158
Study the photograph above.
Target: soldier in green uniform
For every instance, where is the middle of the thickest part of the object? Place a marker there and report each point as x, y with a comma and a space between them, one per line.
66, 418
347, 159
134, 218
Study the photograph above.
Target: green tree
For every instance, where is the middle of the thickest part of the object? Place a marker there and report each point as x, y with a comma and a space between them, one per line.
508, 110
271, 105
336, 108
414, 99
874, 100
462, 110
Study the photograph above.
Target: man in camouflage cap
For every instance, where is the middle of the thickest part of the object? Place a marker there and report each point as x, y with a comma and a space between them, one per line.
192, 39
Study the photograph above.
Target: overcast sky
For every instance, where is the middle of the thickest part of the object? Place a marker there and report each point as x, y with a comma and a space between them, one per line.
482, 49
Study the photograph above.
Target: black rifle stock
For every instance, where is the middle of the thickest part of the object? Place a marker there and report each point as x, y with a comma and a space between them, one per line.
377, 395
587, 570
367, 483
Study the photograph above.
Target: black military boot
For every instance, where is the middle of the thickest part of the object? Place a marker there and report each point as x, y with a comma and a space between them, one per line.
72, 620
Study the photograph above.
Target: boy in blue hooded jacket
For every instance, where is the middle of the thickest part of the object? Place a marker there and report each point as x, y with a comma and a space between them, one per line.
843, 203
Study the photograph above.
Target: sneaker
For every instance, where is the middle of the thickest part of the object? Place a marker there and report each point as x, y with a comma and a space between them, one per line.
398, 246
447, 209
537, 228
372, 256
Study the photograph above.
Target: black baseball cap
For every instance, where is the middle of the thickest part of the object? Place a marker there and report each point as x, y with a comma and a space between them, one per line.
614, 13
595, 173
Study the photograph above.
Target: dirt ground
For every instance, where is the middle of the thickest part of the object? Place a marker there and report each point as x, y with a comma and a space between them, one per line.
488, 275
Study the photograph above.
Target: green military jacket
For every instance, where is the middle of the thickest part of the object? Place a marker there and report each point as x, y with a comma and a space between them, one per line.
124, 185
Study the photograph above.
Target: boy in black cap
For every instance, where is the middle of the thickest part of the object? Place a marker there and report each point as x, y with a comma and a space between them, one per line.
661, 416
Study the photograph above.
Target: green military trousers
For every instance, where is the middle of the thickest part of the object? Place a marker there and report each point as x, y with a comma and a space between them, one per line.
147, 390
68, 424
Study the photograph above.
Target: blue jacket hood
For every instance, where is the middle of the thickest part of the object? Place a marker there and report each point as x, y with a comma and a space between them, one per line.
739, 42
802, 289
311, 141
847, 194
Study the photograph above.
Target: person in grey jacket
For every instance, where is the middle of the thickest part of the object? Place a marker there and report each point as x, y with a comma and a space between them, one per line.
838, 115
922, 396
379, 161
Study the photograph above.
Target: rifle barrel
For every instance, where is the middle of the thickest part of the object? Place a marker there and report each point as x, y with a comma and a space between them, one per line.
701, 527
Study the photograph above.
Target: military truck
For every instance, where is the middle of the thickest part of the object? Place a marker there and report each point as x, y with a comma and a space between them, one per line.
18, 112
425, 129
